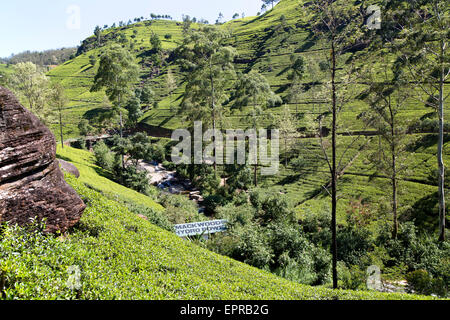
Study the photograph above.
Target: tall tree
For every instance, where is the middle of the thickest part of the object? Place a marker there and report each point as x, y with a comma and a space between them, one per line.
387, 96
209, 65
155, 42
287, 124
133, 107
296, 73
253, 90
117, 73
59, 100
98, 35
423, 41
338, 24
171, 85
29, 82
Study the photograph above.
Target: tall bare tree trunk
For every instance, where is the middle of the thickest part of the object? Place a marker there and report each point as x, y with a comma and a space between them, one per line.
213, 109
61, 129
394, 197
440, 157
334, 169
394, 172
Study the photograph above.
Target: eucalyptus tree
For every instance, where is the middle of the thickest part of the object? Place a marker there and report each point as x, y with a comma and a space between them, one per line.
297, 69
253, 92
29, 82
423, 33
117, 74
59, 101
338, 26
388, 96
134, 110
286, 122
209, 67
98, 35
171, 85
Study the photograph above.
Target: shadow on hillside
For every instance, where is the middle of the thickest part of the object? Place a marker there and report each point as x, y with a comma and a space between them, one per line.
64, 158
425, 213
426, 141
95, 113
289, 179
87, 228
87, 69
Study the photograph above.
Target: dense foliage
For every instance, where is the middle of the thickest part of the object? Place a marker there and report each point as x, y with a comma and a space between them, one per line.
113, 254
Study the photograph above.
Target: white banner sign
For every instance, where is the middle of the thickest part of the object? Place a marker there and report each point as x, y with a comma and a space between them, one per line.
199, 228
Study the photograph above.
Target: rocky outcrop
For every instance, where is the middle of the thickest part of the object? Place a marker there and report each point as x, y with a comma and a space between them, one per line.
69, 168
31, 183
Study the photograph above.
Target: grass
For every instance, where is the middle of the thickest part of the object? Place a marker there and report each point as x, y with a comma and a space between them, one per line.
121, 256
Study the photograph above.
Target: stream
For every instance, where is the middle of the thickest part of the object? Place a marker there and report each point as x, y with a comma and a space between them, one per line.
170, 182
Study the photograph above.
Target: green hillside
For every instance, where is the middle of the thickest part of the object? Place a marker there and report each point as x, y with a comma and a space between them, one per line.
4, 68
265, 44
121, 256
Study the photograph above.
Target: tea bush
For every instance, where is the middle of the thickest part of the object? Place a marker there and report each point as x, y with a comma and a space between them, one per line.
121, 256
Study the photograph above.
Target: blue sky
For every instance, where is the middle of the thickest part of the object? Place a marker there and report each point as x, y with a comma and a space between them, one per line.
50, 24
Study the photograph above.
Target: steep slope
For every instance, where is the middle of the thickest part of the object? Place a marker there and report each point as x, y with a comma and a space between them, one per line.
94, 177
113, 254
265, 44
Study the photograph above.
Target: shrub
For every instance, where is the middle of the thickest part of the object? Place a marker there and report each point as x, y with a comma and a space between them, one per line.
180, 209
317, 227
253, 247
236, 216
352, 278
422, 282
212, 202
158, 153
354, 244
169, 165
79, 144
134, 179
291, 248
155, 217
104, 157
272, 206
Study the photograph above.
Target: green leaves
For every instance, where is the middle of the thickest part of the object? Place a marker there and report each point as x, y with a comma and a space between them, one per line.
117, 73
209, 66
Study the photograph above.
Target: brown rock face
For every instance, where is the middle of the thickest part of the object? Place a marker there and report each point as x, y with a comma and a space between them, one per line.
31, 183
